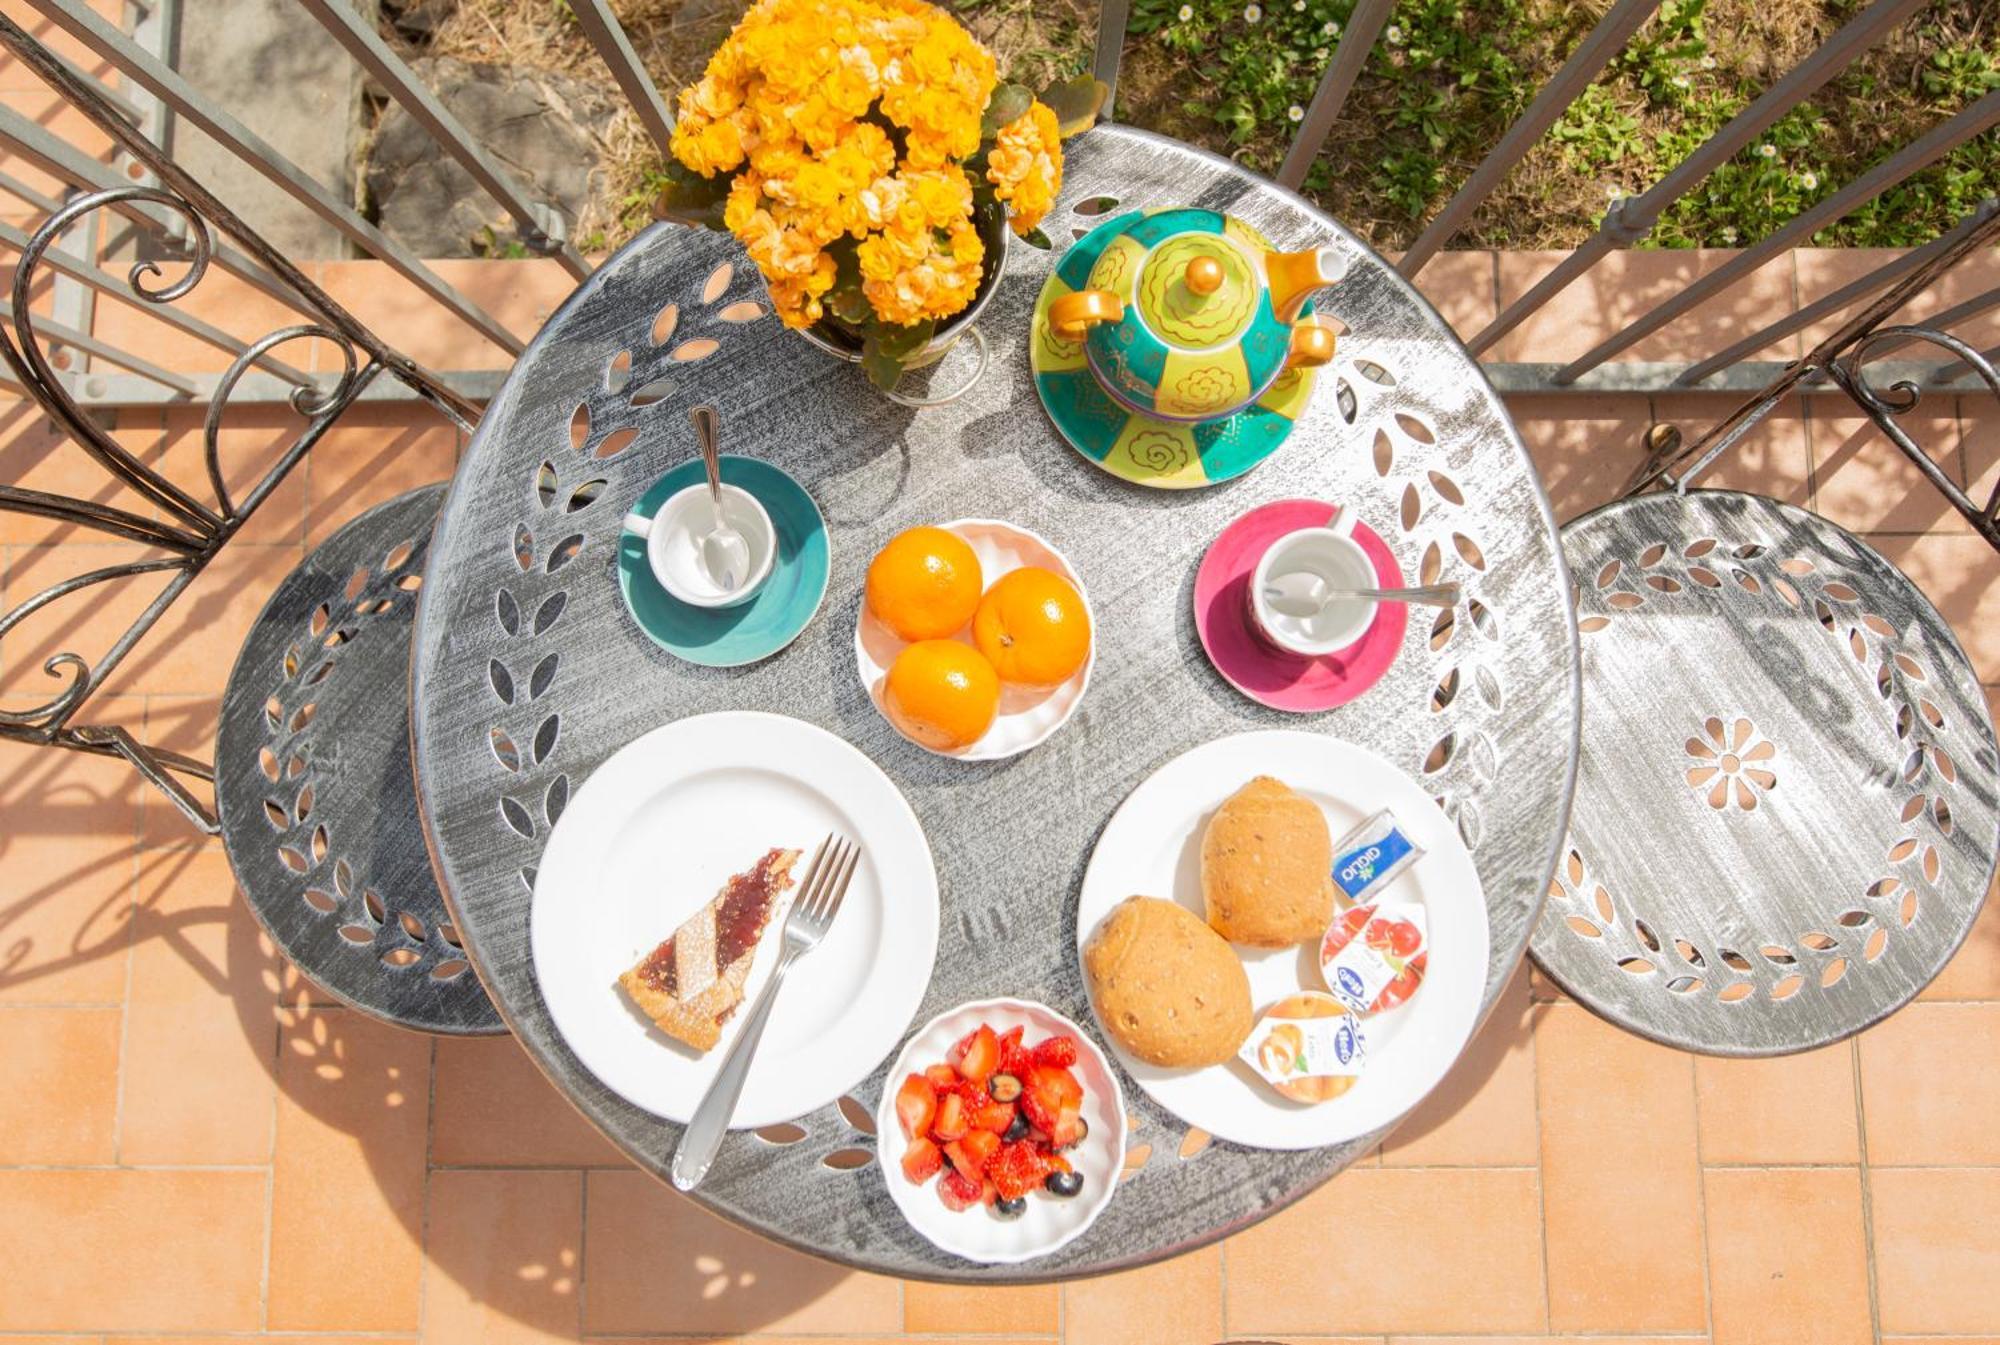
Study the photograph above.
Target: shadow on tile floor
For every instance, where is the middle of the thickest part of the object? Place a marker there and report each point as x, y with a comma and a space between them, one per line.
342, 1106
230, 1056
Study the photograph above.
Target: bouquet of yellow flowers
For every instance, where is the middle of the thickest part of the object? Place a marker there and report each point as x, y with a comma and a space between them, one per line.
866, 154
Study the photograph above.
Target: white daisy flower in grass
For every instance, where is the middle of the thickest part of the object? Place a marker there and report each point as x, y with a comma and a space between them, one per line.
1809, 180
1767, 151
1298, 6
1708, 63
1253, 13
1187, 12
1331, 28
1320, 53
1295, 112
1394, 35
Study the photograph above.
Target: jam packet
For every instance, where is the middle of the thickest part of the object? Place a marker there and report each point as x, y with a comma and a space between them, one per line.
1370, 856
1308, 1047
1373, 956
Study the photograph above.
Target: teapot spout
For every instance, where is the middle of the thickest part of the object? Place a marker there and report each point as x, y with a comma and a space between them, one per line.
1295, 275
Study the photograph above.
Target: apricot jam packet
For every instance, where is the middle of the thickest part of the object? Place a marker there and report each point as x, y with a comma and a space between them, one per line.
1308, 1047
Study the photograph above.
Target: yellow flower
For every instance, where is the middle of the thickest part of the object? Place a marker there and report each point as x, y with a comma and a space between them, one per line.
792, 106
797, 301
709, 147
943, 195
712, 96
908, 277
1025, 166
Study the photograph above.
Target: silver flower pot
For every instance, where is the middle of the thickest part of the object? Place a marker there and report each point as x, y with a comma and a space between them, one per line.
839, 344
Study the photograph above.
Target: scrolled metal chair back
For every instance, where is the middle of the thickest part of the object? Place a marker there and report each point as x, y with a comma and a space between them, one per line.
160, 513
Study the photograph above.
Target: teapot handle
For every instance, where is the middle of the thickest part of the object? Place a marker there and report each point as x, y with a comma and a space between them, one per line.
1073, 315
1311, 345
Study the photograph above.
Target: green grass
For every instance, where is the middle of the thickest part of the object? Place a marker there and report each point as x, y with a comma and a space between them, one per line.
1440, 87
1445, 79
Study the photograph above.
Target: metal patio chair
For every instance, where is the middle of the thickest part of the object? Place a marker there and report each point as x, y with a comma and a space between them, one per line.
313, 793
1788, 799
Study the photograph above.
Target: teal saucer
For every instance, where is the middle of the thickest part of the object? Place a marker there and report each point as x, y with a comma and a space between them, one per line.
728, 637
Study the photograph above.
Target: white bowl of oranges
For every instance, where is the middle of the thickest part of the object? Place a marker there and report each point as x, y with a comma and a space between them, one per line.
975, 638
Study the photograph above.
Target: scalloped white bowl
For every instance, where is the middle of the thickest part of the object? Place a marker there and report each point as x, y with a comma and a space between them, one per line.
1028, 715
976, 1234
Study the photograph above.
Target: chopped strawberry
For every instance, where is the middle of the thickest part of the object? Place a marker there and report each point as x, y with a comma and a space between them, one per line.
1057, 1051
1014, 1059
978, 1055
952, 1121
922, 1160
959, 1192
982, 1145
1016, 1170
970, 1155
1069, 1128
994, 1116
916, 1105
1045, 1091
989, 1120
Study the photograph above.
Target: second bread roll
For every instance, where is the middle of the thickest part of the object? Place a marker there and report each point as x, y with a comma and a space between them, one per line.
1266, 867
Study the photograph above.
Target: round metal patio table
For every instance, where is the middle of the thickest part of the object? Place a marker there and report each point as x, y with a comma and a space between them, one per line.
523, 643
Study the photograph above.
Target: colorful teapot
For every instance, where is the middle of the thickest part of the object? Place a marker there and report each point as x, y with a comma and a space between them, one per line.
1191, 315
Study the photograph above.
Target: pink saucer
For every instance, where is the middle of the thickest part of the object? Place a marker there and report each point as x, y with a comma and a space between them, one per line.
1268, 676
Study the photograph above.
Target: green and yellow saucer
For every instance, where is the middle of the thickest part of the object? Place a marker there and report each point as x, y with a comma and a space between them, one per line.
1148, 450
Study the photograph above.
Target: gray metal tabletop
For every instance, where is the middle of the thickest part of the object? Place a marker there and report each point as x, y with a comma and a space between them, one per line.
522, 631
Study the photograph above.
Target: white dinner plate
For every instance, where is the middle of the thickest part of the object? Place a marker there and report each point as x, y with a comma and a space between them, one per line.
1028, 715
976, 1234
652, 836
1152, 847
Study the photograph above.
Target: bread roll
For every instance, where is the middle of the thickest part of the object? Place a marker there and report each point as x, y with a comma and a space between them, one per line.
1266, 862
1167, 988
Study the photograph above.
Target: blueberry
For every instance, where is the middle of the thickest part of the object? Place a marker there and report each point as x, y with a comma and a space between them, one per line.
1017, 1129
1003, 1087
1011, 1209
1064, 1184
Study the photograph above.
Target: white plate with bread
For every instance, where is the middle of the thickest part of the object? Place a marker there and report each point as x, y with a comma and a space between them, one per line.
1178, 978
645, 942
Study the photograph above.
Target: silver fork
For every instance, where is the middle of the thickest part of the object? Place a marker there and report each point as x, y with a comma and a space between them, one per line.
818, 902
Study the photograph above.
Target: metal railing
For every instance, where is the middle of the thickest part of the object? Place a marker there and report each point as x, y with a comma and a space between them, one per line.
153, 94
183, 531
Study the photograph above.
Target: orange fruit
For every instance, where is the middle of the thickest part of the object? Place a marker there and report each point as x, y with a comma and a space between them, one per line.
1032, 627
924, 585
942, 693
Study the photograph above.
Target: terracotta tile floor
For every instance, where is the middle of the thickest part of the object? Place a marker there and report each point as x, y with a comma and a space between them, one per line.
194, 1147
